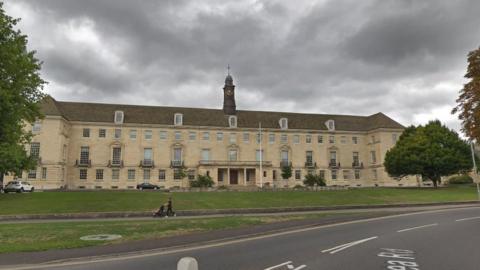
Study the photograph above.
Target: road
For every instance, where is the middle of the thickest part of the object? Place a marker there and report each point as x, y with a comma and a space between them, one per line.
440, 240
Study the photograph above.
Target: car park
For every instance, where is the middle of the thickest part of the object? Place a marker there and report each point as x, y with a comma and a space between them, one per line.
18, 186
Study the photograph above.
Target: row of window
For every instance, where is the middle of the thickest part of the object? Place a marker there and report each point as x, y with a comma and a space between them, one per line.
131, 174
32, 174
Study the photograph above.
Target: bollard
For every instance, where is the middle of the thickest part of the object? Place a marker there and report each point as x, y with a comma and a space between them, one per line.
187, 263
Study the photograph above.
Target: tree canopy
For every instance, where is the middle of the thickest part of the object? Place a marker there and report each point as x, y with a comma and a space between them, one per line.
468, 103
314, 179
431, 151
20, 92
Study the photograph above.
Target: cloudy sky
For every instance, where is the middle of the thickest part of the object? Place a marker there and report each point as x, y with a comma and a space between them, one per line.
405, 58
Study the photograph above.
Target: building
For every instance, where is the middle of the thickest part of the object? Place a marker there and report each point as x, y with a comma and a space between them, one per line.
112, 146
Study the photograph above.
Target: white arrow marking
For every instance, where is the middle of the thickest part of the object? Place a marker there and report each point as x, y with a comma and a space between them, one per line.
419, 227
347, 245
288, 264
470, 218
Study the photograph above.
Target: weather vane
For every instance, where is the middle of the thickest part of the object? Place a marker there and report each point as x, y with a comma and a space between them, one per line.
228, 69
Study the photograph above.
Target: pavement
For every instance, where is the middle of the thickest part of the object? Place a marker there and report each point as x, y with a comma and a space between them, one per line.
440, 239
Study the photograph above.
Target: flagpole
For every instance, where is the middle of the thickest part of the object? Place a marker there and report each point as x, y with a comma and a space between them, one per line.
261, 153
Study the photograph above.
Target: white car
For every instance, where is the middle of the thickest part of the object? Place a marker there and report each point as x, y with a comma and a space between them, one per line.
18, 186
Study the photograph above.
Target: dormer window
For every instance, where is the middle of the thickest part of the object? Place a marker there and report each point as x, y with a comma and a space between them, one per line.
37, 126
178, 119
283, 123
330, 125
232, 121
118, 117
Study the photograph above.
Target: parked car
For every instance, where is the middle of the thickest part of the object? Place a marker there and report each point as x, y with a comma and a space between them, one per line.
147, 186
18, 186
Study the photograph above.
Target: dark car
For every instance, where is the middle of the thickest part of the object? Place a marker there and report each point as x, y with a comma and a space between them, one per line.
147, 186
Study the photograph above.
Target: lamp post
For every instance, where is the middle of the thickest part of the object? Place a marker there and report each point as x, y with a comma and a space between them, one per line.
475, 170
261, 153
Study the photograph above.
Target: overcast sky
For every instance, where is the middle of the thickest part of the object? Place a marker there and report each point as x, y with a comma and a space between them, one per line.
404, 58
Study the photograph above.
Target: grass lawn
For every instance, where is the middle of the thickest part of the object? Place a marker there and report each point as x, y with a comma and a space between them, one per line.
62, 235
106, 201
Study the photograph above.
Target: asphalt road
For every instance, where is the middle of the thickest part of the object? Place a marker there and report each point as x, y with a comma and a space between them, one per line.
440, 240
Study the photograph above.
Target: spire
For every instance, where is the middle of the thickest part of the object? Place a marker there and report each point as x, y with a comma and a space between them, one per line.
228, 79
229, 106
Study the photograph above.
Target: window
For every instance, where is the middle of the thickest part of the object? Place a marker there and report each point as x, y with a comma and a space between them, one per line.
84, 154
206, 136
343, 139
373, 157
355, 140
334, 174
116, 155
308, 138
331, 139
117, 134
357, 174
232, 121
320, 139
283, 123
44, 173
161, 175
271, 138
192, 136
257, 155
233, 138
394, 138
177, 174
118, 117
32, 174
146, 175
102, 133
133, 134
258, 137
284, 155
178, 119
374, 174
37, 126
83, 174
298, 174
246, 137
219, 136
296, 139
330, 125
178, 135
86, 132
147, 155
99, 174
356, 161
163, 135
35, 150
346, 174
232, 154
333, 157
115, 174
321, 173
191, 174
205, 154
274, 174
309, 157
177, 154
131, 174
147, 134
284, 138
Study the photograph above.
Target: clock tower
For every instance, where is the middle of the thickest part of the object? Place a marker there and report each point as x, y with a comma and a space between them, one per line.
229, 106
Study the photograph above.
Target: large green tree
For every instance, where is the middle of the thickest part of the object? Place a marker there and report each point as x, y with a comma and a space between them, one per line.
468, 103
20, 92
431, 151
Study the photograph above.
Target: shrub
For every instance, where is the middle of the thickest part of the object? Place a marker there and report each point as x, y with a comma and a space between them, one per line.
299, 187
202, 181
460, 180
313, 179
222, 187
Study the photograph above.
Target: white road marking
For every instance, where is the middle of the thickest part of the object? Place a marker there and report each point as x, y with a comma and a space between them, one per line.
418, 227
347, 245
470, 218
288, 264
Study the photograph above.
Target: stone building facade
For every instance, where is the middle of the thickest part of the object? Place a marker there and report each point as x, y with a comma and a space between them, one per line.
112, 146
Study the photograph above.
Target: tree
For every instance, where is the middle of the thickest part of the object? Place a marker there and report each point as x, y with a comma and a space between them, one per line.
314, 179
20, 92
202, 181
286, 172
431, 151
468, 103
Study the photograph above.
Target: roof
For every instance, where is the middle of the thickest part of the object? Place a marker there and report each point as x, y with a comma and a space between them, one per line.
135, 114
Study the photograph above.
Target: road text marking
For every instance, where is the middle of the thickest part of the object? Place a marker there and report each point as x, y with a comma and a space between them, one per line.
418, 227
470, 218
288, 264
402, 259
347, 245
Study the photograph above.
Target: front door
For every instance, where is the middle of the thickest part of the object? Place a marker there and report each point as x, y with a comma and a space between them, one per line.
233, 177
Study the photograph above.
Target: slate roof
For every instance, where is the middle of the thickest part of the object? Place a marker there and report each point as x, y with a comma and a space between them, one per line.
98, 112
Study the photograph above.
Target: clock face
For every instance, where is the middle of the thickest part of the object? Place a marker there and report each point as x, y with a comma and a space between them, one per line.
229, 92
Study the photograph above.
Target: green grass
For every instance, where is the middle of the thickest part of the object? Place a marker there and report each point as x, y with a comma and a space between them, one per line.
62, 235
106, 201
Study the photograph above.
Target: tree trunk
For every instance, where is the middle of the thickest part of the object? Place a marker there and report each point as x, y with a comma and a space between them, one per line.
1, 181
435, 183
